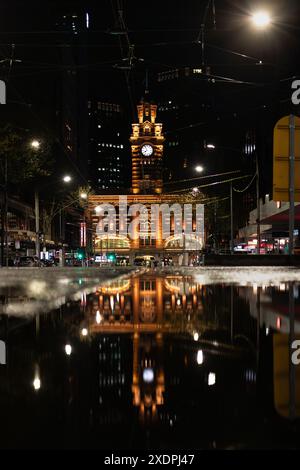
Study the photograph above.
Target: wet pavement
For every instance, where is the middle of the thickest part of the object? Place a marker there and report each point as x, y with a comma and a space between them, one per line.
175, 359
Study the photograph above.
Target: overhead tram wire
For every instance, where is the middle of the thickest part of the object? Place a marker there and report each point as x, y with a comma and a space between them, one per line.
120, 23
247, 187
202, 177
210, 184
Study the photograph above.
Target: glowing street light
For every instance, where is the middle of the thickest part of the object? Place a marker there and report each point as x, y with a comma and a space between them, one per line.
68, 349
67, 179
84, 332
199, 169
196, 336
37, 383
200, 358
211, 146
261, 19
148, 375
211, 378
35, 144
83, 195
98, 317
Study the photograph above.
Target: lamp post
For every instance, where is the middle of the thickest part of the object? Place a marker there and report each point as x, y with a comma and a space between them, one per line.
66, 179
35, 145
211, 146
231, 220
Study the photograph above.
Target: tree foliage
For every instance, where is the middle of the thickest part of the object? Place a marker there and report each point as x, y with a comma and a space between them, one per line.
24, 163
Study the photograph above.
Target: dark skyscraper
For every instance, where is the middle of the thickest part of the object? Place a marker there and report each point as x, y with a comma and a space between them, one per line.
108, 147
73, 95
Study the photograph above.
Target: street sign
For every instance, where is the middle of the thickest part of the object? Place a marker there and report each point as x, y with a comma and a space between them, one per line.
281, 159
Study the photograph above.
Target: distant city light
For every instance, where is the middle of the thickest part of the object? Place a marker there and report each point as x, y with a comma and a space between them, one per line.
200, 357
196, 336
211, 378
278, 323
37, 383
87, 20
98, 317
84, 332
35, 144
195, 190
211, 146
148, 375
261, 19
199, 169
67, 179
68, 349
83, 195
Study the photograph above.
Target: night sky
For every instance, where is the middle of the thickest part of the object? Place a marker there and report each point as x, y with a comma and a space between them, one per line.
245, 82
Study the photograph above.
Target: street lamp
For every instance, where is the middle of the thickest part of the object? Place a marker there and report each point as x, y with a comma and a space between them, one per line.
261, 19
68, 349
83, 195
199, 169
35, 144
36, 383
67, 179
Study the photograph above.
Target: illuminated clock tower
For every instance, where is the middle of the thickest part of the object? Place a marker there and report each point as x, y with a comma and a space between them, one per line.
147, 151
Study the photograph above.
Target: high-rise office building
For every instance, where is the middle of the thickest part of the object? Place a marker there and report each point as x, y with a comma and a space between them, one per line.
108, 147
73, 87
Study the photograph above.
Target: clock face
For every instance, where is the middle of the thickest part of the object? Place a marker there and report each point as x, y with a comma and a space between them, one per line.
147, 150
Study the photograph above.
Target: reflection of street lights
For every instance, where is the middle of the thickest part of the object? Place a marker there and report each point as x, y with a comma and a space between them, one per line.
211, 379
37, 383
200, 357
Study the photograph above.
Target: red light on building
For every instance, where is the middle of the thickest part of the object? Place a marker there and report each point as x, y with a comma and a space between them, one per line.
82, 234
278, 323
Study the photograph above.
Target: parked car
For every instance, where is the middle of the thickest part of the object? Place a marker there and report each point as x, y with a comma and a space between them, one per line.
27, 261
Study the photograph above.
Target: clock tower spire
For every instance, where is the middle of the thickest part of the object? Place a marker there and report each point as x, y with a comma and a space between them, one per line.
147, 151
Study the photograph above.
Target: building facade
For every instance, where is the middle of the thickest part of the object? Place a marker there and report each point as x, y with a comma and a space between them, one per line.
107, 147
136, 236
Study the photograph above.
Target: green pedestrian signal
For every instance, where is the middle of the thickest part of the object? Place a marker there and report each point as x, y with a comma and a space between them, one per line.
111, 257
80, 254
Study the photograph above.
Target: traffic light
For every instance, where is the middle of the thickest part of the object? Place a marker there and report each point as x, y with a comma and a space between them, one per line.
111, 257
80, 253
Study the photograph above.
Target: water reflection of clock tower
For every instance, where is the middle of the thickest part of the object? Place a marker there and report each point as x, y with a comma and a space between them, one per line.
147, 151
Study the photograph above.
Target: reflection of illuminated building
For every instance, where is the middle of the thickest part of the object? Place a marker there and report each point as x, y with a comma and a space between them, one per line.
147, 304
286, 378
273, 306
148, 381
153, 309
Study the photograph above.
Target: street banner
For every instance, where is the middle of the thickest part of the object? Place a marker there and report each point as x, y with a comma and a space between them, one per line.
281, 159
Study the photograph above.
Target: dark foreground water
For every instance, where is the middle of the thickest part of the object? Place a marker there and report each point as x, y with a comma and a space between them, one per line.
153, 361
